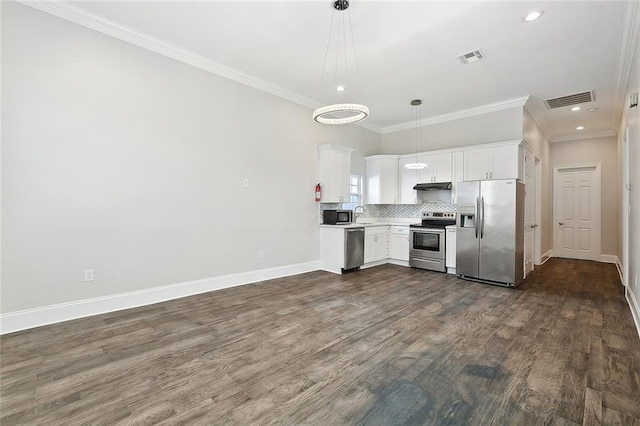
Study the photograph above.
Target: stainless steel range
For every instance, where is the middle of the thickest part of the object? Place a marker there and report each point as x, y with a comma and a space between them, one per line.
427, 241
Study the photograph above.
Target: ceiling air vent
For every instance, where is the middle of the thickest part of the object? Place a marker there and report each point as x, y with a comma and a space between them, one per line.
576, 98
474, 56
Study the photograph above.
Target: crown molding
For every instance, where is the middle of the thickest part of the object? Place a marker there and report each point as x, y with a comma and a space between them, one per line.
630, 33
583, 136
465, 113
154, 44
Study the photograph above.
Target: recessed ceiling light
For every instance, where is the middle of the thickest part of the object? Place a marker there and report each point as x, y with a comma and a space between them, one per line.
580, 128
593, 109
575, 108
532, 16
340, 88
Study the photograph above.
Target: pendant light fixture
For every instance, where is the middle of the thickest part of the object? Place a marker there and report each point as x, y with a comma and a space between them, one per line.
417, 165
341, 113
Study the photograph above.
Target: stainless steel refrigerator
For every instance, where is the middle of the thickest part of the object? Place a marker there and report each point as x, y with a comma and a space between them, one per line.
490, 232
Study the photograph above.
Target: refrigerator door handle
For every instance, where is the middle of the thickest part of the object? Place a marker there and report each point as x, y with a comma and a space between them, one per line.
477, 216
482, 217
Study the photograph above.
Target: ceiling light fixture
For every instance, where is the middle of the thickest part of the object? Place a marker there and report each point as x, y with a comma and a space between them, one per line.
575, 108
532, 16
341, 113
417, 165
580, 128
592, 109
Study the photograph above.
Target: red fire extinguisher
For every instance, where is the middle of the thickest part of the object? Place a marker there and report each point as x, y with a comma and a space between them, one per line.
318, 191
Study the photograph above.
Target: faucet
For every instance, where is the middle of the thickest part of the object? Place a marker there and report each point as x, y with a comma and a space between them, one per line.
357, 214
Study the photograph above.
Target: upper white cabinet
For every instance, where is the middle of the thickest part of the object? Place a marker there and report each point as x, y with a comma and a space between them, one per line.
381, 183
498, 162
335, 170
407, 180
438, 168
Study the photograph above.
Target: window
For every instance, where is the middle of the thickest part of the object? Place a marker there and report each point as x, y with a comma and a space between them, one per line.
355, 192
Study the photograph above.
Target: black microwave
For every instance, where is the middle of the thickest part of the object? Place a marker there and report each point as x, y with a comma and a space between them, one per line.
336, 217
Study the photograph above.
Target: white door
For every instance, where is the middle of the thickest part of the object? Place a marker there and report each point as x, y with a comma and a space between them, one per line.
529, 208
576, 212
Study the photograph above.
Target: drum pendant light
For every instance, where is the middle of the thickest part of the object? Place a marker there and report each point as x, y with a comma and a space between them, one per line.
417, 165
340, 113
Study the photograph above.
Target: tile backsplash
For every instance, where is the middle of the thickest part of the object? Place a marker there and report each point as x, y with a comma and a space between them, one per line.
396, 210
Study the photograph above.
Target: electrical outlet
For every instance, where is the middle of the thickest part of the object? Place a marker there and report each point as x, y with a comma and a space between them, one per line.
88, 275
245, 183
261, 254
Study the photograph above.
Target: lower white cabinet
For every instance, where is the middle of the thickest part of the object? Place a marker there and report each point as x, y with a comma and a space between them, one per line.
399, 244
332, 249
450, 249
376, 243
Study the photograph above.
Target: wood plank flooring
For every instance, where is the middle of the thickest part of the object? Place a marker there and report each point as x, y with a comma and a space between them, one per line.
386, 345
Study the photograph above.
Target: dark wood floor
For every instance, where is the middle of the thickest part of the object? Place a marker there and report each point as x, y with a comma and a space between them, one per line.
387, 345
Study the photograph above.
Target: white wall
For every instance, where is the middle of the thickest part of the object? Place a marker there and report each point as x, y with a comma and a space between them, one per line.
603, 151
496, 126
631, 119
122, 160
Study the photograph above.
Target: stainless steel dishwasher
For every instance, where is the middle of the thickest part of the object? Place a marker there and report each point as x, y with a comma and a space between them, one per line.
353, 248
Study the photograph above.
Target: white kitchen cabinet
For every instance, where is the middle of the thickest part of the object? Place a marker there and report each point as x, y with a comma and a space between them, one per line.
335, 170
407, 180
457, 172
381, 184
450, 249
399, 243
438, 168
501, 162
332, 249
376, 243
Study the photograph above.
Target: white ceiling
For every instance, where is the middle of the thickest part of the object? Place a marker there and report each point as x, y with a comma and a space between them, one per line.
405, 50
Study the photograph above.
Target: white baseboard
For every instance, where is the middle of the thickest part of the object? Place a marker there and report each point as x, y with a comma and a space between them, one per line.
546, 256
609, 258
635, 308
376, 263
398, 262
30, 318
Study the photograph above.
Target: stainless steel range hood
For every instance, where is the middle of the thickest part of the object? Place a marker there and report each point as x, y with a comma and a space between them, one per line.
433, 186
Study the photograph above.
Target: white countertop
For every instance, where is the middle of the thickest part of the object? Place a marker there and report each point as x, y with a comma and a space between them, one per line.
368, 224
450, 227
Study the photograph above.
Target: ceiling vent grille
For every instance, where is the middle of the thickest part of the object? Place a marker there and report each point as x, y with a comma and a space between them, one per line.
474, 56
576, 98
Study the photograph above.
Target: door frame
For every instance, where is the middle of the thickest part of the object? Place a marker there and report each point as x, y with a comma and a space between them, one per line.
597, 197
532, 193
537, 232
626, 188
